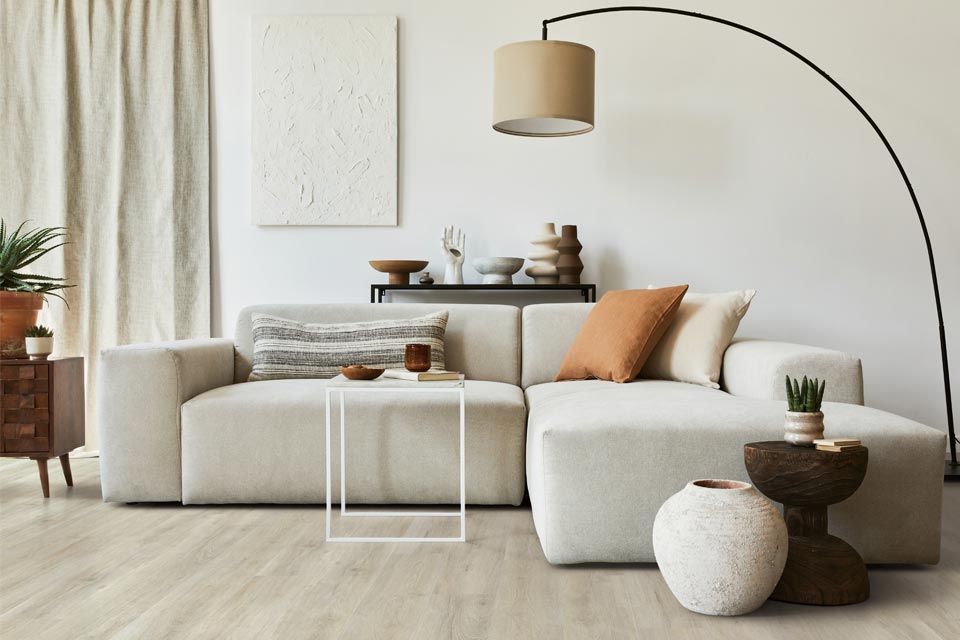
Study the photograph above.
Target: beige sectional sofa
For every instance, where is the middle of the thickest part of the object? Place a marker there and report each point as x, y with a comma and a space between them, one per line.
598, 459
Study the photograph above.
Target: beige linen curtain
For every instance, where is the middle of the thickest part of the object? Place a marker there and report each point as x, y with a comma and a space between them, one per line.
105, 131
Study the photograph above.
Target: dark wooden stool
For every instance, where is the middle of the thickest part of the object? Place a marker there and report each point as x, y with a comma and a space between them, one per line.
42, 412
821, 569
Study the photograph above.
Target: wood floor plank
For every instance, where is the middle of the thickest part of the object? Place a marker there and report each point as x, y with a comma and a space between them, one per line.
72, 566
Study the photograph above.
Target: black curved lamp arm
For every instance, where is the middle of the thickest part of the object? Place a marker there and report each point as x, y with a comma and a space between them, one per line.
886, 143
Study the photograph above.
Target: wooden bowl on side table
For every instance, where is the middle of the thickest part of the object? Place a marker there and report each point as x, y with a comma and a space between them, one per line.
360, 372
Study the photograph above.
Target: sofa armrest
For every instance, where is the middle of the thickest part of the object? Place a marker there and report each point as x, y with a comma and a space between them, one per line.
141, 388
756, 369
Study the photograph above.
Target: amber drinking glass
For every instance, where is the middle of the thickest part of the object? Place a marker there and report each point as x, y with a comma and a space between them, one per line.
417, 357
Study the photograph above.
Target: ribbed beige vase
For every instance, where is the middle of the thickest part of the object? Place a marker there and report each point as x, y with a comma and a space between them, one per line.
721, 547
544, 254
569, 265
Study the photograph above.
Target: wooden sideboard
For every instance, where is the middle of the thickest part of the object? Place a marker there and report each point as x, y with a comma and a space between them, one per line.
42, 412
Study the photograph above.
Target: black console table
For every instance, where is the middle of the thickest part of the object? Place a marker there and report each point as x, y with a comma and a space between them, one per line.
587, 291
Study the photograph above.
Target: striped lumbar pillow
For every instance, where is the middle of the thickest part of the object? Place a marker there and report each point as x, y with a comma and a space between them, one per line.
289, 349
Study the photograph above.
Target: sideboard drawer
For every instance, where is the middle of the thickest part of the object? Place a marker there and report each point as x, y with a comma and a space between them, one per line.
25, 408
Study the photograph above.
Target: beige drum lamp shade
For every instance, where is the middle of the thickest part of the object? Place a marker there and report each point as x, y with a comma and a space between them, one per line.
543, 88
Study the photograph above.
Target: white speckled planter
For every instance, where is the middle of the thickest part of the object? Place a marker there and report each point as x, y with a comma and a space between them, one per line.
39, 348
802, 428
721, 547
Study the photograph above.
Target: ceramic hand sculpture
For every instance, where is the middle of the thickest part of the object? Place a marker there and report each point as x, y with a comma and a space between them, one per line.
453, 253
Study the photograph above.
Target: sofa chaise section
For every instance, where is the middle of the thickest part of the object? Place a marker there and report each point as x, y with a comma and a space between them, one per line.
602, 457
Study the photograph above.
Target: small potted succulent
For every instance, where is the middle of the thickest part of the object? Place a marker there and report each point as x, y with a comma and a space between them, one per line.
39, 341
804, 420
22, 291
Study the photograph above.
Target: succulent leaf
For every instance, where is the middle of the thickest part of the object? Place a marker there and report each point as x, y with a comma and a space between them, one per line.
805, 396
39, 331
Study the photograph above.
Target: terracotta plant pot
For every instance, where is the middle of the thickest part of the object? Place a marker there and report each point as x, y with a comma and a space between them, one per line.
802, 428
18, 312
721, 547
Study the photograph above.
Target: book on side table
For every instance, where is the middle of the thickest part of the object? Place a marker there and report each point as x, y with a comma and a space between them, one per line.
837, 444
433, 375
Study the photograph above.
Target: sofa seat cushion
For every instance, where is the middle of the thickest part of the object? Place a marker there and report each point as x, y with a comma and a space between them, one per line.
602, 458
264, 442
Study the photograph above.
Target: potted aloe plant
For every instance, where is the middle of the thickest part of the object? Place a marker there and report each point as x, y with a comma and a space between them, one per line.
21, 292
804, 420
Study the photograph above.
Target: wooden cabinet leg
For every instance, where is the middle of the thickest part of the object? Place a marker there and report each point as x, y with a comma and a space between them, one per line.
44, 478
65, 465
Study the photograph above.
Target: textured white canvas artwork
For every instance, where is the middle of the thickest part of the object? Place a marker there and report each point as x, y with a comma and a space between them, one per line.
324, 136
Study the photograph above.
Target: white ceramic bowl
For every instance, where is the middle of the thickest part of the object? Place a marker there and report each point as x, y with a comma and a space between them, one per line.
497, 270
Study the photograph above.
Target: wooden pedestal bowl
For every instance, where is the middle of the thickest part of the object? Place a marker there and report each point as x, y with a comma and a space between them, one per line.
399, 270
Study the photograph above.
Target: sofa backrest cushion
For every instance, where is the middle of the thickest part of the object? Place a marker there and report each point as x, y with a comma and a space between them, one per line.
548, 332
284, 348
482, 340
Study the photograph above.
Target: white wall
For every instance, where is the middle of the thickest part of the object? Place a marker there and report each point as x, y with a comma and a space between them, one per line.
717, 161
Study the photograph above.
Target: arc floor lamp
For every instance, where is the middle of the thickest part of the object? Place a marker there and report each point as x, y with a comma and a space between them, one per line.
545, 88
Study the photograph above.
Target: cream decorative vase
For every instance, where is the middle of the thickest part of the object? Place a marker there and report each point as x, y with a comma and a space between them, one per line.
543, 253
39, 348
802, 428
721, 547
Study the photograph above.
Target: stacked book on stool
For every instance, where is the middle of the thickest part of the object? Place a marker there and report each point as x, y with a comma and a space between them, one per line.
836, 444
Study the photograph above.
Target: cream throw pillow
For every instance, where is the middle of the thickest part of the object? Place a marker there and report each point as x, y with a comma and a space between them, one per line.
692, 348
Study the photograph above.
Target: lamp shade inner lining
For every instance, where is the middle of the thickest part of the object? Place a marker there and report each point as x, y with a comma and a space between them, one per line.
543, 126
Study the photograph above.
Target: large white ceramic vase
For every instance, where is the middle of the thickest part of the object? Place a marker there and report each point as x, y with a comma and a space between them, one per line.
721, 547
544, 255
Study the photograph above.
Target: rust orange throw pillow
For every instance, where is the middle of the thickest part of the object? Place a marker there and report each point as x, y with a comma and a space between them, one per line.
619, 334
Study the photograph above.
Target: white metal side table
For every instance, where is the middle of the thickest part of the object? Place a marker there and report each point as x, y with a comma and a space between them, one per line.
341, 386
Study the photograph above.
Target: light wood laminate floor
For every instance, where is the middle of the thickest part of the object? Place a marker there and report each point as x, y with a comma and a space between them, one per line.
73, 567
